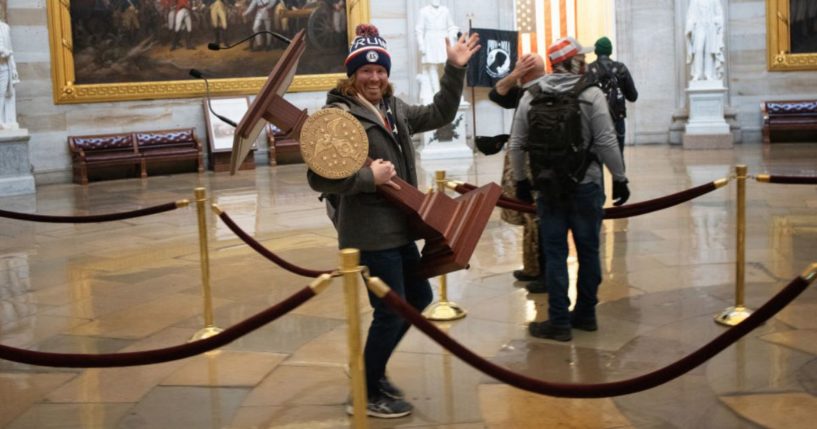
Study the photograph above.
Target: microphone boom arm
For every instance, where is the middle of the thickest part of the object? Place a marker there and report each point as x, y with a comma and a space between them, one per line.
217, 47
198, 75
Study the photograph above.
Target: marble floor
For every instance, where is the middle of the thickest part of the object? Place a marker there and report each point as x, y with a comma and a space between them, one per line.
136, 284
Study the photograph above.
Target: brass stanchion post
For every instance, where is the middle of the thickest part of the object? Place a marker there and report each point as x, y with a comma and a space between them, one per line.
443, 309
209, 328
738, 313
350, 269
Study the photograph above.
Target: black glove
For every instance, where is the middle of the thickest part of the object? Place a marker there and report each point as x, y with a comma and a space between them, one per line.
523, 191
491, 145
621, 193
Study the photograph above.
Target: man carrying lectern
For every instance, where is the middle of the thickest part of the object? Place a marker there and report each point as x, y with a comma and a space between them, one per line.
367, 221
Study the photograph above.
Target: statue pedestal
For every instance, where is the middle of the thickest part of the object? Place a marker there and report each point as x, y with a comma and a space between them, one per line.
448, 142
707, 128
15, 168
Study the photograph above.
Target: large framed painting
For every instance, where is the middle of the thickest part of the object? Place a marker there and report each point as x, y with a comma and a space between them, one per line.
115, 50
791, 30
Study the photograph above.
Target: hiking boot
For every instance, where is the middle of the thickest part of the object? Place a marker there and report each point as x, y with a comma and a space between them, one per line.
523, 277
585, 324
389, 389
383, 407
550, 332
536, 286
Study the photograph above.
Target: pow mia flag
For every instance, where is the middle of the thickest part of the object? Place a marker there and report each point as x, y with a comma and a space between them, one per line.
495, 60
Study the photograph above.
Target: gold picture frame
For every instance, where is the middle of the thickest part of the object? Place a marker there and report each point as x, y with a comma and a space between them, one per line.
67, 91
779, 39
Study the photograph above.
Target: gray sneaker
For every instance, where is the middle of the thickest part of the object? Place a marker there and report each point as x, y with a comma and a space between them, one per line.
389, 389
383, 407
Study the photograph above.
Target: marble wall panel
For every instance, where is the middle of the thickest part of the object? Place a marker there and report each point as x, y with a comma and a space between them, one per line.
25, 4
30, 41
646, 33
27, 16
48, 153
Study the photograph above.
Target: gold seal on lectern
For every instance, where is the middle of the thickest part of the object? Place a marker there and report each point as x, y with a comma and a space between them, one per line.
333, 143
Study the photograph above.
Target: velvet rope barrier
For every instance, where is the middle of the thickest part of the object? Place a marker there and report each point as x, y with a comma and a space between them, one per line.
504, 201
263, 251
95, 218
598, 390
620, 212
791, 180
147, 357
644, 207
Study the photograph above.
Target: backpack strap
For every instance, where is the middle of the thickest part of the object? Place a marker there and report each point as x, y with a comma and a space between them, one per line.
534, 90
583, 83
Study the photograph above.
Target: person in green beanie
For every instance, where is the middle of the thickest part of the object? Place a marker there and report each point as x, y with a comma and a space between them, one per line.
616, 82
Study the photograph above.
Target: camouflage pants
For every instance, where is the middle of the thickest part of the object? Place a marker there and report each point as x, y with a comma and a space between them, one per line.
530, 233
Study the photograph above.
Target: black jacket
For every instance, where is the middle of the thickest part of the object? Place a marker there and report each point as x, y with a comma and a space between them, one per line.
509, 100
604, 65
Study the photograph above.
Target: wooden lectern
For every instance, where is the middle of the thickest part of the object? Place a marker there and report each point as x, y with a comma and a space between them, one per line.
450, 227
270, 105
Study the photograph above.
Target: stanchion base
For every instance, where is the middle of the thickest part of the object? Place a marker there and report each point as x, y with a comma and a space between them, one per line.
733, 315
444, 310
203, 333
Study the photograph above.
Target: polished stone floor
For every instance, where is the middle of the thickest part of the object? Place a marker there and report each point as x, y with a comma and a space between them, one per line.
136, 284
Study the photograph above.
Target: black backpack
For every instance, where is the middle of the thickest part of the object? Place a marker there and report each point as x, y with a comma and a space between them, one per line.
608, 82
557, 160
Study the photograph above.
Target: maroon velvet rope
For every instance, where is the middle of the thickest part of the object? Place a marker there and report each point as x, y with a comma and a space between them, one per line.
91, 218
661, 203
794, 180
601, 390
266, 252
624, 211
147, 357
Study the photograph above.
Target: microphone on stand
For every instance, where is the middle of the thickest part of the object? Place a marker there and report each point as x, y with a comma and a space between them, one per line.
217, 47
198, 75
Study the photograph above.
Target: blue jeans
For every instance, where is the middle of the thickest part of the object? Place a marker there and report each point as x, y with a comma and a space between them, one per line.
582, 215
395, 267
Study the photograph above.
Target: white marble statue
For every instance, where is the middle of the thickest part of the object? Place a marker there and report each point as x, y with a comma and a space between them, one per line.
8, 77
704, 35
434, 25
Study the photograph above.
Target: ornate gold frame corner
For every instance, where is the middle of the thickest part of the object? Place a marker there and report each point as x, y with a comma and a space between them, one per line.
66, 91
778, 38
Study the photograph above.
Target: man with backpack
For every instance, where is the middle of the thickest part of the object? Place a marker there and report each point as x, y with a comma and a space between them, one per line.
617, 84
563, 128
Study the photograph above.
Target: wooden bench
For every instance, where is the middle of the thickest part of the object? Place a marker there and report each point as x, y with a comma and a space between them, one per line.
283, 148
169, 145
137, 149
794, 120
103, 151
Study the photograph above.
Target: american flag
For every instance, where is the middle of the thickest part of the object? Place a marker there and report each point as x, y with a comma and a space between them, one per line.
541, 22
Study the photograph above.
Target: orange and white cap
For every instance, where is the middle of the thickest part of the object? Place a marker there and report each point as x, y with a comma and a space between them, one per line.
565, 49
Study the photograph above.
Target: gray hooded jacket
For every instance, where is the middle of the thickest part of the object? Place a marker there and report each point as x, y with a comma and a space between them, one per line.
596, 126
364, 219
